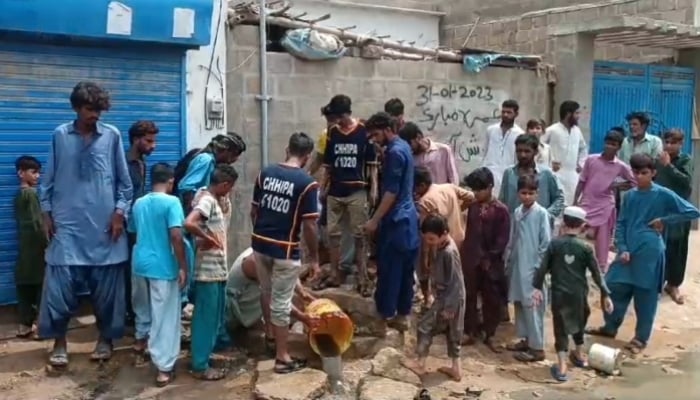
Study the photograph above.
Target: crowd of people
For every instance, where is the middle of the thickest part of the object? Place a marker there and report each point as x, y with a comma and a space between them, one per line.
389, 207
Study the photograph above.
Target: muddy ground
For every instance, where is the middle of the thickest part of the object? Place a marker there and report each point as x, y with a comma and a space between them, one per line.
669, 368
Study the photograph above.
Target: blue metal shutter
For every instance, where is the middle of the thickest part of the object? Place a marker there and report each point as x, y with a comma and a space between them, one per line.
35, 85
665, 93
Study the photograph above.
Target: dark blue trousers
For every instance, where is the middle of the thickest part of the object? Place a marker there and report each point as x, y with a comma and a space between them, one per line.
394, 293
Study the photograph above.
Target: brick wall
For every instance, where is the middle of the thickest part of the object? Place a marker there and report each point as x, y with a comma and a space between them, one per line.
528, 33
451, 105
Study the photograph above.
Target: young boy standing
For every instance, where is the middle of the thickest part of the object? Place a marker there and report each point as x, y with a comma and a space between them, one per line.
567, 259
482, 258
29, 269
638, 271
529, 238
207, 223
536, 127
159, 271
675, 172
446, 315
601, 174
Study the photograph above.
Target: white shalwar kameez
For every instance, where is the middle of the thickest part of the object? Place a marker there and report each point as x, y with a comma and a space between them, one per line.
499, 151
569, 149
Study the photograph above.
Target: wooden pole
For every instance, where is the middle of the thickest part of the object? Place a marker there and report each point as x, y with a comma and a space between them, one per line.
361, 40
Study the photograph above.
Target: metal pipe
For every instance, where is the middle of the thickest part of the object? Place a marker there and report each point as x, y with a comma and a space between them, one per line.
264, 95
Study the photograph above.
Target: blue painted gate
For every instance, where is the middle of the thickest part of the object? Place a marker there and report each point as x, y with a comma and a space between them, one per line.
665, 93
35, 85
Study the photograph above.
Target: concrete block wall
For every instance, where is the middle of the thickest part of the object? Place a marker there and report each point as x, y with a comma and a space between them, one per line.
451, 105
528, 33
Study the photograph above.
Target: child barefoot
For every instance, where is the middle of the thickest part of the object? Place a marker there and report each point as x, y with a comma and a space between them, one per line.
567, 259
446, 315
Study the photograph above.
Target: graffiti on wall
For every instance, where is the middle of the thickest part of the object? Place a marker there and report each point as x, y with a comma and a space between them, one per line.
458, 114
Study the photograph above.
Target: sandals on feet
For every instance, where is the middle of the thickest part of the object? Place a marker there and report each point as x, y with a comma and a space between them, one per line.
170, 376
635, 346
557, 375
286, 367
102, 352
210, 374
577, 362
529, 356
519, 346
59, 357
599, 331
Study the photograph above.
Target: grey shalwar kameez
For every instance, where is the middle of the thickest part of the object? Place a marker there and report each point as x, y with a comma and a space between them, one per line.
448, 287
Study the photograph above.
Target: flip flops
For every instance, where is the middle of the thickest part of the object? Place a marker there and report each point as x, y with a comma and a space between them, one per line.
59, 357
577, 362
102, 352
557, 375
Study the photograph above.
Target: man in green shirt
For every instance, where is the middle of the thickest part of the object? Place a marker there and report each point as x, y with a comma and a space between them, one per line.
639, 141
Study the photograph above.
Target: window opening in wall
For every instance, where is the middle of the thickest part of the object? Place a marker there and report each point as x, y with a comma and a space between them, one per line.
274, 38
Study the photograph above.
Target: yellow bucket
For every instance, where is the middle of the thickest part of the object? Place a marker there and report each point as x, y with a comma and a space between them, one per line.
332, 336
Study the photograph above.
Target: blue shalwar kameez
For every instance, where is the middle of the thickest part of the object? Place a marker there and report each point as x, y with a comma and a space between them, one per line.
398, 239
82, 186
197, 176
642, 278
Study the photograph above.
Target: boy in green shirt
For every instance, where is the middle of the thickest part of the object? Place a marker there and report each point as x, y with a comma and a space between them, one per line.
29, 269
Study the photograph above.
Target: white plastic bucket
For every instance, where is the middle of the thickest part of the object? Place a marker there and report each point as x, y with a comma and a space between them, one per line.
605, 359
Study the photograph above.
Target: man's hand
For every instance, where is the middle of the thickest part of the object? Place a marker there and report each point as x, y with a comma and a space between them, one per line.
116, 226
578, 169
657, 224
625, 257
537, 297
314, 271
371, 227
664, 159
606, 304
556, 166
48, 227
209, 242
182, 278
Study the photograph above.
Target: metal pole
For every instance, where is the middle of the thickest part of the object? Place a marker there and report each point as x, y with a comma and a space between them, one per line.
264, 95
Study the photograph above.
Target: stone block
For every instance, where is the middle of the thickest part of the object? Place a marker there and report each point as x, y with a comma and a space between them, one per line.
306, 384
387, 69
373, 89
608, 11
522, 37
348, 87
373, 388
413, 70
358, 67
645, 6
304, 86
245, 36
243, 60
437, 71
678, 16
252, 84
322, 68
279, 63
539, 21
281, 110
387, 364
524, 24
628, 8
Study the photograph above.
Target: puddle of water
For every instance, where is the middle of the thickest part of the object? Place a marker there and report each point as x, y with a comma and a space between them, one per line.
648, 381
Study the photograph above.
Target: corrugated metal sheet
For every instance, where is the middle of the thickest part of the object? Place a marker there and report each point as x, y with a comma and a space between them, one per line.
665, 93
35, 85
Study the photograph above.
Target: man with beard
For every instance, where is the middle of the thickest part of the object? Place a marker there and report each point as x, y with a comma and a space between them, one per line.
397, 239
84, 194
142, 141
568, 149
640, 141
499, 148
438, 158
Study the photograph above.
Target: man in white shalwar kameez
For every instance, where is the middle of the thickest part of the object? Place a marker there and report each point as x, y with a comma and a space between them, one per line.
568, 148
499, 147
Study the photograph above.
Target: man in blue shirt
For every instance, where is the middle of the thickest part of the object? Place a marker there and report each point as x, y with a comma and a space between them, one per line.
142, 142
285, 204
159, 271
84, 194
396, 221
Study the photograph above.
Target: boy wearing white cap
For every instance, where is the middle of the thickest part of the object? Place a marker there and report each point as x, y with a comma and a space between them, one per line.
567, 258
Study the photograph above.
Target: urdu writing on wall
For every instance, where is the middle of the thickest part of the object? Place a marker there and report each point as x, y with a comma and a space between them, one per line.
458, 114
